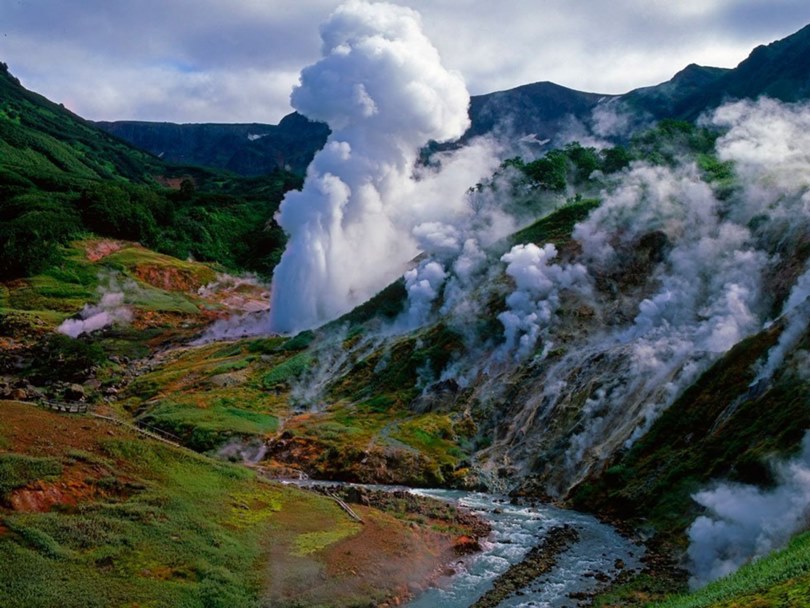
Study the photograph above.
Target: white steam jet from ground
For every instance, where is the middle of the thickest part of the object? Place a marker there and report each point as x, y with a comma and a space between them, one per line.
381, 88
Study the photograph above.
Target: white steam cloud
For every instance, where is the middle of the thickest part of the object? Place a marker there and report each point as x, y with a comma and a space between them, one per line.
708, 293
745, 522
693, 265
382, 89
423, 285
537, 294
796, 313
110, 310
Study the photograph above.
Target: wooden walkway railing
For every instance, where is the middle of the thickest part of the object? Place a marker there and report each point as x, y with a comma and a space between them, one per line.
64, 407
346, 508
151, 432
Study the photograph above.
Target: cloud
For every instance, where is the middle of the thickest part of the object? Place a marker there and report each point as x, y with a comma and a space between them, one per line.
148, 59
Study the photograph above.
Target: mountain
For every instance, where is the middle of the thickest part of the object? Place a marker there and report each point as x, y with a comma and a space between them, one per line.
246, 149
41, 140
542, 109
638, 350
780, 70
62, 177
666, 99
538, 112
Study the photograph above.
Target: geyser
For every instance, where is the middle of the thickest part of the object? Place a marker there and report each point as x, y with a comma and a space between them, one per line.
382, 89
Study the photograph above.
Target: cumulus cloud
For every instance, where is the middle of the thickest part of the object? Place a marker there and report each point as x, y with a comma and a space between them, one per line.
88, 56
384, 92
745, 522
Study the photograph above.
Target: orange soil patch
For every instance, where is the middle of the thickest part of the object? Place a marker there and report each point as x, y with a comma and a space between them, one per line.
97, 250
173, 183
237, 294
40, 496
168, 278
38, 432
388, 554
388, 559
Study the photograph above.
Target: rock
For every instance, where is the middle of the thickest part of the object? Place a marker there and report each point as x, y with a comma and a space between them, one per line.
18, 394
464, 545
74, 392
619, 564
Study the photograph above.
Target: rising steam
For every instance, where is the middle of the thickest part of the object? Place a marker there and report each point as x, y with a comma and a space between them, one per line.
683, 267
111, 309
382, 89
532, 305
745, 523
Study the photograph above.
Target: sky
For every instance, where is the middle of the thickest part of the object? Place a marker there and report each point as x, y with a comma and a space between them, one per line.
237, 60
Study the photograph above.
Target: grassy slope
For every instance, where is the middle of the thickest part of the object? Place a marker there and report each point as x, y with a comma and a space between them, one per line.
780, 580
45, 143
366, 424
209, 394
63, 290
93, 515
61, 176
717, 430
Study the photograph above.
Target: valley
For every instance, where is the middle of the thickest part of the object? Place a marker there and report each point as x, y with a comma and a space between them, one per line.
580, 376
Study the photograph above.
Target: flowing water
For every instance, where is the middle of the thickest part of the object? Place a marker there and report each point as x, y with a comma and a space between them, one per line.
515, 530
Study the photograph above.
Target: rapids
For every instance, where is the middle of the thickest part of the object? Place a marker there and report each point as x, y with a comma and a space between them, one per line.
515, 530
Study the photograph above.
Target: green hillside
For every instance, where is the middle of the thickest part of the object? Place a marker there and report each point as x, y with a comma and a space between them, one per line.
61, 178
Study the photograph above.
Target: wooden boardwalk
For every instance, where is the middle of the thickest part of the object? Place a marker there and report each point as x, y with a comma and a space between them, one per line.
64, 407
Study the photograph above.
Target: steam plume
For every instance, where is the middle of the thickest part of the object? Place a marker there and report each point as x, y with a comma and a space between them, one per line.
382, 89
796, 312
537, 294
745, 522
110, 310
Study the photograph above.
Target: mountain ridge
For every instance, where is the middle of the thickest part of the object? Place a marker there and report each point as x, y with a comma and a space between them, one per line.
541, 111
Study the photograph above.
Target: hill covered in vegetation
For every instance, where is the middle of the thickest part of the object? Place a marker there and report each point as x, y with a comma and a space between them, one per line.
61, 177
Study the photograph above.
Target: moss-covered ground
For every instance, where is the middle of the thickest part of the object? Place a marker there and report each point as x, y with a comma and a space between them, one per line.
95, 515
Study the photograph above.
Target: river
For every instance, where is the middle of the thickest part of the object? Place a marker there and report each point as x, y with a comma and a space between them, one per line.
515, 530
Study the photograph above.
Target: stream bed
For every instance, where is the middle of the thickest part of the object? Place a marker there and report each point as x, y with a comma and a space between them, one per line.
599, 554
515, 530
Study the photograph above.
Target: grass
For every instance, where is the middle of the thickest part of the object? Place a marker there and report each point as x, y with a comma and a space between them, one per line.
288, 370
177, 530
165, 546
556, 227
780, 580
310, 542
18, 470
699, 439
204, 429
